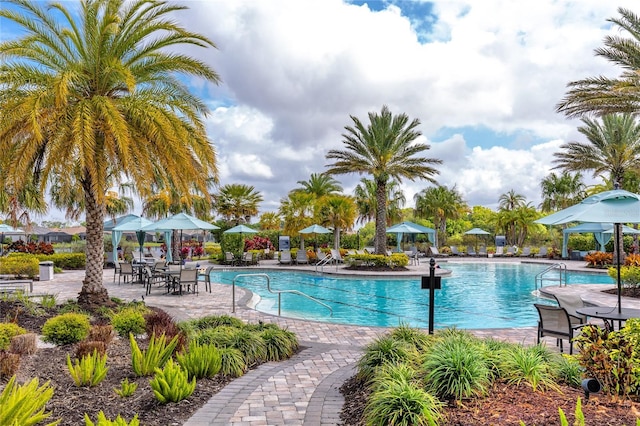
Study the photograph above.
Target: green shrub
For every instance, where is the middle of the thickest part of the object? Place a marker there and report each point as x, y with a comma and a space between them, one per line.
279, 344
233, 364
456, 367
629, 275
157, 354
65, 260
201, 361
382, 350
20, 265
90, 370
8, 330
568, 369
24, 405
129, 320
171, 384
126, 388
103, 421
402, 403
66, 328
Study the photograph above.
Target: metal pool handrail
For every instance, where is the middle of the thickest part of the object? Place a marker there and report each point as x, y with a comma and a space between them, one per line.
278, 292
561, 279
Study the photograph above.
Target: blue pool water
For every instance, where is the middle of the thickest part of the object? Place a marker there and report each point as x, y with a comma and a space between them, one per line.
476, 295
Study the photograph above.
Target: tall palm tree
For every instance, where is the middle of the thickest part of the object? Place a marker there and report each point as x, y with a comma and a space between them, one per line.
602, 95
384, 149
440, 203
237, 203
338, 212
560, 192
91, 93
320, 185
612, 148
365, 193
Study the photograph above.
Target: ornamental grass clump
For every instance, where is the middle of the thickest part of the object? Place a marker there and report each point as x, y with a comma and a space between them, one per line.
233, 363
89, 370
24, 405
251, 346
155, 356
171, 383
279, 344
528, 365
383, 350
402, 403
66, 328
456, 367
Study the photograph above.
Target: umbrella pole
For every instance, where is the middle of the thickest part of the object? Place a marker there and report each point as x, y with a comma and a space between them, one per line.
617, 231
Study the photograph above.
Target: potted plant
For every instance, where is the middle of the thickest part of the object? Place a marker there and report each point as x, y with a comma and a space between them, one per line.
490, 252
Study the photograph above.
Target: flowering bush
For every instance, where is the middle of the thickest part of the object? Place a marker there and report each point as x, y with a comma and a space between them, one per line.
31, 247
258, 243
632, 260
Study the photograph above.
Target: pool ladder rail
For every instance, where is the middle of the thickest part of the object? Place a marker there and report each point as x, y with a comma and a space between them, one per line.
560, 269
278, 292
325, 261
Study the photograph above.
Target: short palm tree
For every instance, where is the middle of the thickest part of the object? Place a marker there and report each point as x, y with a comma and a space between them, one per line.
385, 148
91, 94
337, 212
440, 203
602, 95
297, 211
237, 203
366, 201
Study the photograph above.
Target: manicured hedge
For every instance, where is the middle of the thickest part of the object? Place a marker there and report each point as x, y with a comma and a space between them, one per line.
65, 260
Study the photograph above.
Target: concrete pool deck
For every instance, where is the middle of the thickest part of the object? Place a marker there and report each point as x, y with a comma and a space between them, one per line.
304, 389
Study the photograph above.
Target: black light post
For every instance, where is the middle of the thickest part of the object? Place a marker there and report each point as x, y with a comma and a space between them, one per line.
432, 293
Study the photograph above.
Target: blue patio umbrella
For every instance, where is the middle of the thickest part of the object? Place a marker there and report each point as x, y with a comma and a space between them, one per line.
476, 232
314, 229
616, 206
410, 228
240, 229
180, 221
132, 225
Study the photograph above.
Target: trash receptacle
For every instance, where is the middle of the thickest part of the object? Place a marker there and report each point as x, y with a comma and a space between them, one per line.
46, 270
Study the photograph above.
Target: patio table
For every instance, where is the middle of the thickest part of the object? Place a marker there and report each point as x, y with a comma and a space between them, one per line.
609, 313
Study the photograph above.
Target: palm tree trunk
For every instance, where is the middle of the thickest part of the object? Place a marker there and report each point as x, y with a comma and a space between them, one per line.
381, 217
93, 293
336, 238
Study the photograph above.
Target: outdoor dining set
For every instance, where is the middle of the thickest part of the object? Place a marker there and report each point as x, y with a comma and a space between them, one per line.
172, 278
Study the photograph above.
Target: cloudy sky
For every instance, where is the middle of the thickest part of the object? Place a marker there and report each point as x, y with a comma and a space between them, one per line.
483, 77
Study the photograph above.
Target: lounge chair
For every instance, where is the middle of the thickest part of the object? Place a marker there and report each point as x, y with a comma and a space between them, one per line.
337, 257
482, 251
455, 252
542, 252
511, 251
285, 257
433, 251
499, 251
555, 322
471, 251
301, 257
526, 252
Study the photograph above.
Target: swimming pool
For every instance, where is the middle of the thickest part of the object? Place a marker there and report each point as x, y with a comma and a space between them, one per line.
476, 295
